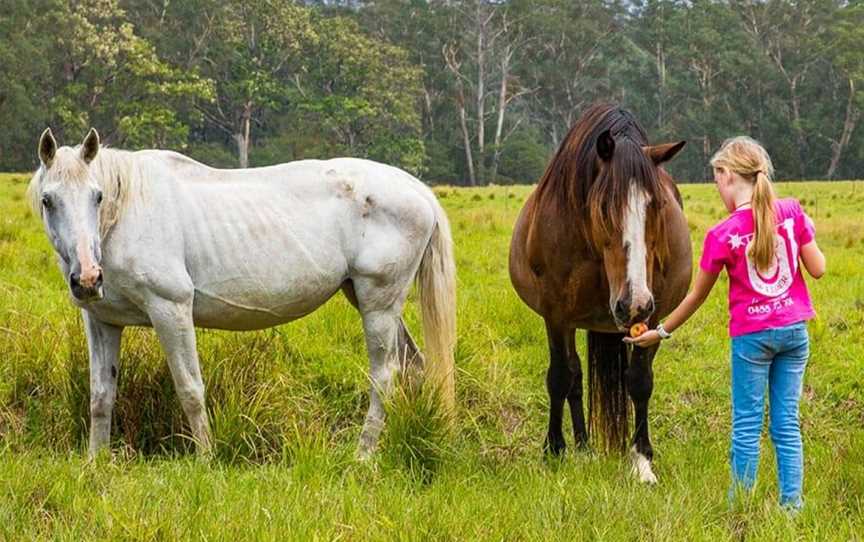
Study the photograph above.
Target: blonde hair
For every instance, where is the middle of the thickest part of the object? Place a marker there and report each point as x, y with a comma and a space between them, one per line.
749, 159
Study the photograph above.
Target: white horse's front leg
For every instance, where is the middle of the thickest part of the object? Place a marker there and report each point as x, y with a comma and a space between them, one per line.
382, 331
103, 343
175, 329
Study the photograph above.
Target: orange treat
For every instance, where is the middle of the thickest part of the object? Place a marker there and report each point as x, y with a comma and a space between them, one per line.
638, 329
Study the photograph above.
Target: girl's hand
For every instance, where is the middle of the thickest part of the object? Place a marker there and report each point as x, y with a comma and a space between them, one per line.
649, 338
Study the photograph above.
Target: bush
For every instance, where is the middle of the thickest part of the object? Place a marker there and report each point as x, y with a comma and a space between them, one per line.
213, 154
440, 166
523, 159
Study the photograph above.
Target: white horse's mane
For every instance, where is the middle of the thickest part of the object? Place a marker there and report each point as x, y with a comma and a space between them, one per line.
120, 175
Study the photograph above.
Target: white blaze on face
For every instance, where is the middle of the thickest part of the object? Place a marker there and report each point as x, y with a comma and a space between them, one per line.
89, 268
84, 243
637, 251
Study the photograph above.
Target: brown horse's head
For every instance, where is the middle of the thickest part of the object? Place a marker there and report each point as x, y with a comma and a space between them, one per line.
626, 226
611, 183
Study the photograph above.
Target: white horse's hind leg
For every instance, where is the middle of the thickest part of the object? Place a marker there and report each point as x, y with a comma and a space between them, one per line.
382, 332
174, 326
103, 341
396, 230
390, 351
410, 357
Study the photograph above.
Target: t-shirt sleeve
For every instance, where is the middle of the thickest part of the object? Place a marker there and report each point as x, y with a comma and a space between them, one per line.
805, 230
715, 254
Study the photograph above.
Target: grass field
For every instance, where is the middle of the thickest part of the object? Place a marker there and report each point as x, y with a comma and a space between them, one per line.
286, 407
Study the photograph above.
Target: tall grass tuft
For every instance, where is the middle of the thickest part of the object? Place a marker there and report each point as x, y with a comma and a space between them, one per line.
417, 435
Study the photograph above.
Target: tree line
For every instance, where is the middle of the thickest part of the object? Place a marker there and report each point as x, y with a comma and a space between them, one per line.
456, 91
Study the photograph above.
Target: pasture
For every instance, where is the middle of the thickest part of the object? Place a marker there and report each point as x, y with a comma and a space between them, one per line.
287, 405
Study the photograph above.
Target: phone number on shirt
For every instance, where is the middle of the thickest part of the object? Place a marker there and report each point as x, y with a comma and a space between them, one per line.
767, 308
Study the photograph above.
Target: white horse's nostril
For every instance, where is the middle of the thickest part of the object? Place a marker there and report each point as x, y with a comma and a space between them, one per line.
91, 277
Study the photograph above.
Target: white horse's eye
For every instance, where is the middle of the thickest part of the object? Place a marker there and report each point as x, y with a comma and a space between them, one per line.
46, 202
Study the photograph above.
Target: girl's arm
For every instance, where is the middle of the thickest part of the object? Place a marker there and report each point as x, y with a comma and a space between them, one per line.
814, 260
701, 288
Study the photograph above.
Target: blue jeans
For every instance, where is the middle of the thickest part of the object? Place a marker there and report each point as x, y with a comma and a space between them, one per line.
776, 358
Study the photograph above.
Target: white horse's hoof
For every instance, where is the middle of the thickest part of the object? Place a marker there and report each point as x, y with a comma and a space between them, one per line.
364, 453
642, 468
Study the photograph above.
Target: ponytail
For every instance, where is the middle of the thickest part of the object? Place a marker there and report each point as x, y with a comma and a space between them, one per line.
762, 250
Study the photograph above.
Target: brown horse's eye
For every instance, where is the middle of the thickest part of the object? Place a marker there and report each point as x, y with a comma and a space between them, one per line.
98, 197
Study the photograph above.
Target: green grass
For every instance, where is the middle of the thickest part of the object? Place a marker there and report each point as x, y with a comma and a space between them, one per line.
286, 407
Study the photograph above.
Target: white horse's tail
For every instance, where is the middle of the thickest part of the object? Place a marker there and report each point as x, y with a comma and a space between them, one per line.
436, 280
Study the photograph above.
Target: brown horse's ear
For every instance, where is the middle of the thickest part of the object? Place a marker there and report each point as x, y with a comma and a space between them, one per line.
47, 147
90, 146
660, 154
605, 146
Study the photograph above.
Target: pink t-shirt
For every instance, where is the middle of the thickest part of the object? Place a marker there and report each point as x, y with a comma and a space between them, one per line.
756, 301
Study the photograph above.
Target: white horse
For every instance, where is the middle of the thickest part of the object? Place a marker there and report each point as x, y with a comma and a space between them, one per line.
153, 238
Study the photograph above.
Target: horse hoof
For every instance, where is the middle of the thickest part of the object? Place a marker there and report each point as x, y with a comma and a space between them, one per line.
554, 448
641, 468
581, 441
364, 454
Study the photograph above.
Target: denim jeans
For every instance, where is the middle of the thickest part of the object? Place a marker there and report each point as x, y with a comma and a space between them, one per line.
776, 358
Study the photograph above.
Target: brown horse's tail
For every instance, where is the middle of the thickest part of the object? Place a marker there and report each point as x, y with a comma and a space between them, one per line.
607, 389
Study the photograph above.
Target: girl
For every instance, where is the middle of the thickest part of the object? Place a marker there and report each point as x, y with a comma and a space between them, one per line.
759, 244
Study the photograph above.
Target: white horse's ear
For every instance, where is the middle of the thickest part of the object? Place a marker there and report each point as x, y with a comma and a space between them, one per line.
90, 146
47, 147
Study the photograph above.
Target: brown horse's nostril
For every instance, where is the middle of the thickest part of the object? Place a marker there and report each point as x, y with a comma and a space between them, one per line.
98, 282
622, 313
644, 313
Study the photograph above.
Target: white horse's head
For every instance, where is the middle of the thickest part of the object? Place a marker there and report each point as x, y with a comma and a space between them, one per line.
68, 198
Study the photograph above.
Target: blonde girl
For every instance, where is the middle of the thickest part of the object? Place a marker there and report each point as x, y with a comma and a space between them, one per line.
760, 245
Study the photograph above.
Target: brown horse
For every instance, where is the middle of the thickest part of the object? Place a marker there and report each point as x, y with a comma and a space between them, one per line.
602, 244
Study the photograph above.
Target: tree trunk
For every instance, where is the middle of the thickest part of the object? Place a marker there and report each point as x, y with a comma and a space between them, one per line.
242, 138
453, 65
427, 101
502, 106
466, 140
838, 146
800, 137
242, 151
661, 92
481, 85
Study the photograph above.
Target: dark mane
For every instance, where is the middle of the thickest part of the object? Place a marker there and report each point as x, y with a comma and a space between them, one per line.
594, 197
